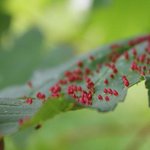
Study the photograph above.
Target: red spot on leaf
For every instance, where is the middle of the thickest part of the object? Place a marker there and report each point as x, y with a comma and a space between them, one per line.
111, 76
134, 52
40, 95
100, 97
105, 91
110, 91
107, 98
115, 93
29, 101
126, 55
125, 81
106, 81
80, 64
134, 66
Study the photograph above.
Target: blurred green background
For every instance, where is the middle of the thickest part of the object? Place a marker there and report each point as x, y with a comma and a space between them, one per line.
42, 34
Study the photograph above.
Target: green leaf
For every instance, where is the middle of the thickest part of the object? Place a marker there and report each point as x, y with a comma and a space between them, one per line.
6, 20
51, 108
101, 3
29, 53
13, 109
1, 144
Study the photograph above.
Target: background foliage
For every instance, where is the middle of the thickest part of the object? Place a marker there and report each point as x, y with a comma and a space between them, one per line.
50, 32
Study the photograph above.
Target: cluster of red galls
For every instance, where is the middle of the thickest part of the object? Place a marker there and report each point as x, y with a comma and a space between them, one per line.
70, 84
141, 62
110, 92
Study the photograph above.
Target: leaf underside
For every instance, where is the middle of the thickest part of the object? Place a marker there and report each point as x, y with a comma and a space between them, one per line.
98, 80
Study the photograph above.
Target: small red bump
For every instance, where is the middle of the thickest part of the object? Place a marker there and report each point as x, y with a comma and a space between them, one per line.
139, 68
89, 96
63, 82
142, 73
106, 81
78, 71
83, 100
115, 93
74, 96
87, 71
29, 101
131, 43
126, 55
142, 58
125, 81
112, 66
105, 91
90, 85
40, 95
71, 78
134, 66
55, 88
70, 90
114, 46
144, 67
75, 88
91, 57
110, 91
88, 80
79, 88
148, 61
147, 50
68, 73
80, 64
100, 97
20, 122
111, 76
115, 70
107, 98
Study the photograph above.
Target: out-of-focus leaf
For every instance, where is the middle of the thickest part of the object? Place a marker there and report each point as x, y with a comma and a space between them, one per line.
101, 3
1, 143
5, 20
27, 54
18, 62
102, 27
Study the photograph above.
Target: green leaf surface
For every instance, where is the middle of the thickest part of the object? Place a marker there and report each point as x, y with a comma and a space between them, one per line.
99, 64
12, 110
6, 20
